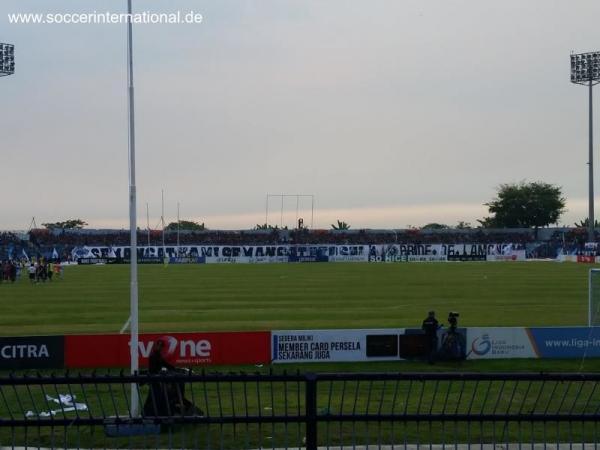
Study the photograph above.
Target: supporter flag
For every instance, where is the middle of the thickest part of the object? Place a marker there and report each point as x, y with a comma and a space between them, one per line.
25, 255
111, 252
54, 254
507, 249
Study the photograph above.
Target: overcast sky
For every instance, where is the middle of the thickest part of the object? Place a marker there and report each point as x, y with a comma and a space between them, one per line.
390, 112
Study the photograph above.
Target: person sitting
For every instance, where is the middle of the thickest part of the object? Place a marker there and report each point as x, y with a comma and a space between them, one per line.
166, 398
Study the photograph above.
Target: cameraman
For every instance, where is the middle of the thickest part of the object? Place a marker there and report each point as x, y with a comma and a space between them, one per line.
430, 327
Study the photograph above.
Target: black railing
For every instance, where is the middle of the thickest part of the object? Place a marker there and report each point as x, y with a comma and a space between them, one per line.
298, 410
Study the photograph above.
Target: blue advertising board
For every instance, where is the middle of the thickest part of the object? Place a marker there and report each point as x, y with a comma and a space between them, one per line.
566, 342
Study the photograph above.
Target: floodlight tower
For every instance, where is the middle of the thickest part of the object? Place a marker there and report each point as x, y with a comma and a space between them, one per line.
7, 59
585, 69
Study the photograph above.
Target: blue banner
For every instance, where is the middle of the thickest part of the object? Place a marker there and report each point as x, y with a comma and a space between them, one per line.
566, 342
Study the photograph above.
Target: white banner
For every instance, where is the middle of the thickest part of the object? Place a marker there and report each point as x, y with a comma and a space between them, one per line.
443, 252
245, 259
233, 254
513, 255
308, 253
335, 345
408, 258
499, 343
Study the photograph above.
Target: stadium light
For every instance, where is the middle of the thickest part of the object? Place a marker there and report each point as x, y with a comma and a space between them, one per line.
585, 69
7, 59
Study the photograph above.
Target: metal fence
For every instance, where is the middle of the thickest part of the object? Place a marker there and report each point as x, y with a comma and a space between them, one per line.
223, 411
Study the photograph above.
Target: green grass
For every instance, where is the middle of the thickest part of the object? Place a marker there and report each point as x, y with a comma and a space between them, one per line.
297, 296
305, 296
337, 397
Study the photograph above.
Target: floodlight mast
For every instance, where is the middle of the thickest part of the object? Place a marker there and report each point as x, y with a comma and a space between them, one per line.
7, 59
585, 69
133, 297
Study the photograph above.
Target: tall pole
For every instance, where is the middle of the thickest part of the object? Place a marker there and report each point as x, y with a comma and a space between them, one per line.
148, 224
267, 212
312, 211
132, 220
281, 220
162, 218
592, 222
177, 227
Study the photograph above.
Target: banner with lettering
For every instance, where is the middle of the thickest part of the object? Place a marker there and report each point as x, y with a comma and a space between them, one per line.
228, 254
335, 345
444, 252
199, 254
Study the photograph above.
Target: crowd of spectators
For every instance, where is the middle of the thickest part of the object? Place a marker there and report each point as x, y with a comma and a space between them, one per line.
411, 236
74, 238
77, 238
45, 241
65, 240
8, 238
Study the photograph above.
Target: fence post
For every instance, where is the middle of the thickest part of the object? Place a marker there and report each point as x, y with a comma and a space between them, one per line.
311, 411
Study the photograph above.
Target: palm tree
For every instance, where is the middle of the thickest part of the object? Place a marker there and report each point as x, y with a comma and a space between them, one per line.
584, 223
341, 225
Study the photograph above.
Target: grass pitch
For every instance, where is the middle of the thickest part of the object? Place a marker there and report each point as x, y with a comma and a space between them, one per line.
289, 296
94, 299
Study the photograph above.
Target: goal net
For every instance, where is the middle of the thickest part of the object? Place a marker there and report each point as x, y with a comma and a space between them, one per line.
594, 298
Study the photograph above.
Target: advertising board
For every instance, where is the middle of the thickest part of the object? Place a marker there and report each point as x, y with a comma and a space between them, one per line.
335, 345
499, 343
32, 352
183, 349
566, 342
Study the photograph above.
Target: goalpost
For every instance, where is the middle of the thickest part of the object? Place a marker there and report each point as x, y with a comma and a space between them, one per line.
300, 209
594, 298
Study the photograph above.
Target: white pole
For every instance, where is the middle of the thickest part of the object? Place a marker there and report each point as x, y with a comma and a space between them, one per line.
132, 221
297, 206
590, 298
177, 228
312, 211
267, 212
148, 223
162, 218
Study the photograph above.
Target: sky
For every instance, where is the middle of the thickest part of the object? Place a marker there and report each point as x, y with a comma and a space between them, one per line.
389, 113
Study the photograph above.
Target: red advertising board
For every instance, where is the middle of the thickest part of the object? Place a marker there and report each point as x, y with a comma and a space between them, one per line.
183, 349
586, 259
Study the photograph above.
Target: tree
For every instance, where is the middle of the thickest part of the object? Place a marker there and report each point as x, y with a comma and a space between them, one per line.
435, 226
525, 205
186, 225
584, 223
268, 227
71, 224
341, 225
463, 225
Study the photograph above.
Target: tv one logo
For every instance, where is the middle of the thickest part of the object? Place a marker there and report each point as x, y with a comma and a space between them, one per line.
180, 349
